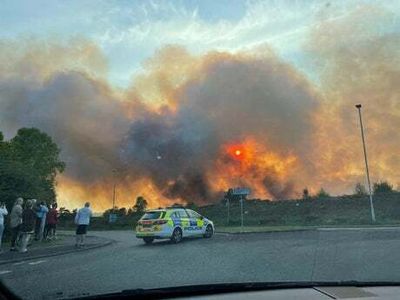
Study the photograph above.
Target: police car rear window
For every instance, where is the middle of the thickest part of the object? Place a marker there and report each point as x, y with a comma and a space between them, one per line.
151, 215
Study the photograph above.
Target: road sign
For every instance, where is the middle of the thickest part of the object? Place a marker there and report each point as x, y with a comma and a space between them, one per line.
241, 191
112, 218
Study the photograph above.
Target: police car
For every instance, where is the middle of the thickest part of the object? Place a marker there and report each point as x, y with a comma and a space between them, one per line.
173, 223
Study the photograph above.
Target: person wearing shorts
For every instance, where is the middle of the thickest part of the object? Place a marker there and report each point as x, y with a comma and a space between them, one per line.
82, 220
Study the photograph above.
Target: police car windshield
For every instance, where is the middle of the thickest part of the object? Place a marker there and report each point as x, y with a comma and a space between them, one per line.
152, 215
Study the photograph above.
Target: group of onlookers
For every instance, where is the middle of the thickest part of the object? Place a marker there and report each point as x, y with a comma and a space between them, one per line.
40, 220
32, 218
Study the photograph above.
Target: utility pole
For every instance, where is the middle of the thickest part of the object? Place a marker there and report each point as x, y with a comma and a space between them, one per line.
241, 213
371, 203
228, 204
114, 184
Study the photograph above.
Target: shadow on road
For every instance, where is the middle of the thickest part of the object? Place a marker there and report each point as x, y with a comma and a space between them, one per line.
161, 243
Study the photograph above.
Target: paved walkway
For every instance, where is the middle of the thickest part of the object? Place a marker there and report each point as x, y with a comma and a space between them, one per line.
63, 245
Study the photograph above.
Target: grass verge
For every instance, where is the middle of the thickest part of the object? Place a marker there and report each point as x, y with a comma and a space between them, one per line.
258, 229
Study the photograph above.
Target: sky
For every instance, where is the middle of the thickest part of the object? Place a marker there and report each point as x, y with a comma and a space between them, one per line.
130, 32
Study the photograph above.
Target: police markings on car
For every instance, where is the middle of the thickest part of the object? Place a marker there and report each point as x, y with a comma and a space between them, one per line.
174, 223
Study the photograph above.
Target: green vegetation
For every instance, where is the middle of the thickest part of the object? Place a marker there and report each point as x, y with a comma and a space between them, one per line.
140, 205
266, 215
322, 194
330, 211
382, 187
29, 163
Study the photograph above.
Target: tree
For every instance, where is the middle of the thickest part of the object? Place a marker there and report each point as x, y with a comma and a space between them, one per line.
322, 194
122, 212
37, 150
29, 164
141, 204
360, 189
191, 205
382, 187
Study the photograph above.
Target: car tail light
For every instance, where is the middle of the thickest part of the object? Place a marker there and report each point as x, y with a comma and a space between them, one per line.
160, 222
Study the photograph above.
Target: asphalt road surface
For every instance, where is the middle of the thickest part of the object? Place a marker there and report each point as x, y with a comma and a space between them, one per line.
321, 255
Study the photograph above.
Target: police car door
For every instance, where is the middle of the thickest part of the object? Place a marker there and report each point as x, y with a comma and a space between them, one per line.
196, 222
185, 222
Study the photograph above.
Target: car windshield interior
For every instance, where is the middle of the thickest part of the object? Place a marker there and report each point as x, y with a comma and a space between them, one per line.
256, 143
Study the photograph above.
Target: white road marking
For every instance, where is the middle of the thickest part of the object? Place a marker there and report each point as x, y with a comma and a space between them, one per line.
37, 262
4, 272
19, 263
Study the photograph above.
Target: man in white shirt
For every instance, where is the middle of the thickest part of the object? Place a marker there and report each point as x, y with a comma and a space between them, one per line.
82, 219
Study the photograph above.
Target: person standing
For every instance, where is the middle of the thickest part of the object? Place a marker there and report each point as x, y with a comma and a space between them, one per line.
3, 212
41, 212
51, 222
82, 220
15, 222
28, 225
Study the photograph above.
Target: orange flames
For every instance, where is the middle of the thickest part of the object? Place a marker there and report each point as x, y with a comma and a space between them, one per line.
100, 194
248, 164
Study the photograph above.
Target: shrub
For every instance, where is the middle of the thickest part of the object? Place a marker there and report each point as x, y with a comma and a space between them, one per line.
382, 187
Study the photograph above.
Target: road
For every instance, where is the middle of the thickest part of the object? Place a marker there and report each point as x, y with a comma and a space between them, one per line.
321, 255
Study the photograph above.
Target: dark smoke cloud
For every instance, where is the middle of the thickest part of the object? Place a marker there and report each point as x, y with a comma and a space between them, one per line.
224, 99
79, 113
235, 97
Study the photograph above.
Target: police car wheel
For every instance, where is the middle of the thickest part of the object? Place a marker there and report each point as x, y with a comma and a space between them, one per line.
176, 236
148, 240
209, 232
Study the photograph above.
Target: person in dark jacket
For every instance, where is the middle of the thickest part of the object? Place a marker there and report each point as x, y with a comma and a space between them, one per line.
51, 223
28, 225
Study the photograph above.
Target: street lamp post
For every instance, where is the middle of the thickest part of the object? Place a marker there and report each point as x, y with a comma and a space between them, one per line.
114, 183
371, 203
241, 213
228, 204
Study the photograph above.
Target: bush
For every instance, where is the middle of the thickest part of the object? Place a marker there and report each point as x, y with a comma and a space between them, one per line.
382, 187
322, 194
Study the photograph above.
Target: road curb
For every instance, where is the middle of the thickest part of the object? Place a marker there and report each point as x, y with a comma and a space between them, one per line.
19, 259
266, 231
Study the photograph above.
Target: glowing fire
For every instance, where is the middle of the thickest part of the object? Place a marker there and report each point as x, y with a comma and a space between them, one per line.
251, 167
73, 194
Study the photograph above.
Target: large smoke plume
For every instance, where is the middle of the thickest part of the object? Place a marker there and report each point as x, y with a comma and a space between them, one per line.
174, 134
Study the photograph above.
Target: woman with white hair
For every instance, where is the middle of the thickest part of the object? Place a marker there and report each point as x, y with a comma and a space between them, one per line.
15, 222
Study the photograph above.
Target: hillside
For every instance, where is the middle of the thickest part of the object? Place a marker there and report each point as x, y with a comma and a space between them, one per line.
344, 210
330, 211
